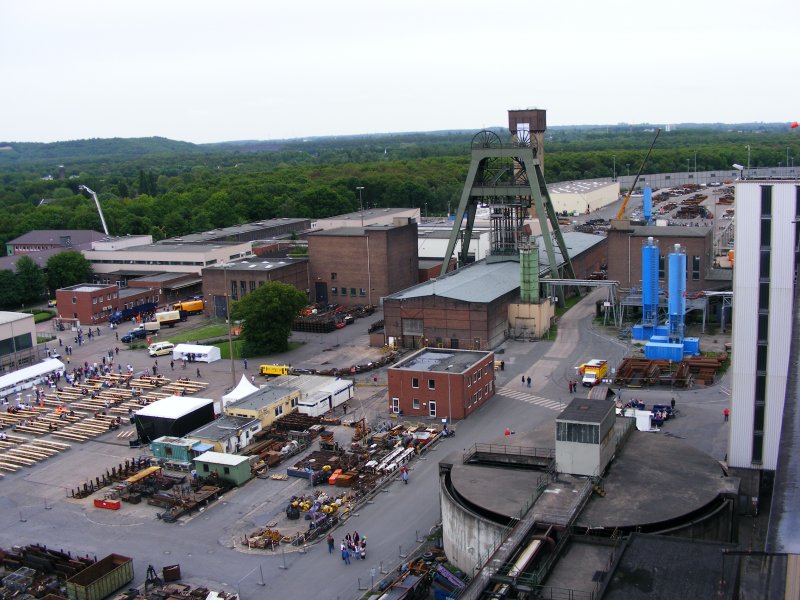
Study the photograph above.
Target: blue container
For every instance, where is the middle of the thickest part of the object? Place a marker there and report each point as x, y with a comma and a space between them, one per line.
648, 204
691, 346
676, 305
659, 339
663, 351
661, 330
641, 332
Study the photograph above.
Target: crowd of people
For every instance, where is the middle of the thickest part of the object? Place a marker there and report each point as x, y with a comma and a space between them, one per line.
352, 546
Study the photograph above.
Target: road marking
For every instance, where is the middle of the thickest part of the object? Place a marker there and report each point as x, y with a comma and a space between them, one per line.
529, 398
725, 390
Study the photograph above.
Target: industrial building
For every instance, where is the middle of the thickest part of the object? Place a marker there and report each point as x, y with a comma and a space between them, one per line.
625, 242
582, 197
767, 214
366, 217
39, 240
469, 308
235, 280
17, 340
318, 394
360, 265
447, 384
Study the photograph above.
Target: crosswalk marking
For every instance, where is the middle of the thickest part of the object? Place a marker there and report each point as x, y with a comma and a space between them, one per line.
530, 398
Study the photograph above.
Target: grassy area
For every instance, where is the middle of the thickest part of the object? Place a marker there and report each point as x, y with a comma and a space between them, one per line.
568, 303
225, 352
177, 336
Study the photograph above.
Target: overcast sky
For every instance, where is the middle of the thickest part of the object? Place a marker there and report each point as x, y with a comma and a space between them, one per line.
204, 71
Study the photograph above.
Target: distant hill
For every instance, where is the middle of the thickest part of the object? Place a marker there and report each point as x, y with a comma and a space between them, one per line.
18, 153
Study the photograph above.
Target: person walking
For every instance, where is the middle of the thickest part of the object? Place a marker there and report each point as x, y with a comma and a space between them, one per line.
172, 365
345, 553
405, 475
726, 413
569, 383
523, 380
198, 373
529, 381
672, 404
245, 364
329, 539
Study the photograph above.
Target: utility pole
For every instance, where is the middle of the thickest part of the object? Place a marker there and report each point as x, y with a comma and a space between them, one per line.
361, 203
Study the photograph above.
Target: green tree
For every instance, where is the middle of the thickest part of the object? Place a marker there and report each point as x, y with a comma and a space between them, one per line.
30, 280
267, 314
67, 268
9, 296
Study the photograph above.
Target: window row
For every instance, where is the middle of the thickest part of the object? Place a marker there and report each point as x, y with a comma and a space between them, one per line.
342, 291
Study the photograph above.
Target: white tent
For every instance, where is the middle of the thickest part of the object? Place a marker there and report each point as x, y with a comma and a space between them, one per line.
201, 353
245, 388
28, 377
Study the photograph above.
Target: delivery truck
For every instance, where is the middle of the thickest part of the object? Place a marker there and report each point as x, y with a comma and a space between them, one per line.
170, 318
274, 370
593, 372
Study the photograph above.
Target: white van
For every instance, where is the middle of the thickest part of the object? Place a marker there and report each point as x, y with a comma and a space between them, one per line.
160, 348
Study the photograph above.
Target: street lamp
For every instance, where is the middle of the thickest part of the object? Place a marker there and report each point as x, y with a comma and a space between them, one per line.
628, 167
688, 160
614, 177
695, 164
228, 323
748, 156
361, 203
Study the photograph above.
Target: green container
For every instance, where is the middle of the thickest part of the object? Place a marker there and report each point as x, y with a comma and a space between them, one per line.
101, 579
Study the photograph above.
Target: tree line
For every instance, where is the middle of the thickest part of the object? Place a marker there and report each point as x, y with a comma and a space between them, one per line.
166, 189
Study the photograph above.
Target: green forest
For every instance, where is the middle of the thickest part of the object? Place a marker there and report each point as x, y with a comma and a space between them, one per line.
167, 188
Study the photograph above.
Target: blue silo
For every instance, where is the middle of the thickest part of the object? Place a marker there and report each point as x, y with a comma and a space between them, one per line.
676, 304
648, 204
650, 282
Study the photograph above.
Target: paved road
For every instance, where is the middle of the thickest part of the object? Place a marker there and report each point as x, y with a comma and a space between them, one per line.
34, 509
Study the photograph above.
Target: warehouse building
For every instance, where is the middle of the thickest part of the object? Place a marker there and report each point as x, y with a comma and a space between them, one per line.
265, 405
174, 416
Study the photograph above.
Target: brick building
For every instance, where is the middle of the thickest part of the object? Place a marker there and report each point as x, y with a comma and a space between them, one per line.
361, 265
94, 303
625, 255
434, 382
237, 279
468, 308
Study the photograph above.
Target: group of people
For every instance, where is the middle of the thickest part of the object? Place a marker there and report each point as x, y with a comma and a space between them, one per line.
528, 380
352, 546
573, 386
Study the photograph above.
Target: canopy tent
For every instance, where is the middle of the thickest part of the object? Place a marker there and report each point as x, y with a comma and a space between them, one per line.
245, 388
26, 378
195, 353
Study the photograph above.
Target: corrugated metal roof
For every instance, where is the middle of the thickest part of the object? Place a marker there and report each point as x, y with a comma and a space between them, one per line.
483, 282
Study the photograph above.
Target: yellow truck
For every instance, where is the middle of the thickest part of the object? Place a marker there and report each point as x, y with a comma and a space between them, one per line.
593, 372
190, 307
274, 370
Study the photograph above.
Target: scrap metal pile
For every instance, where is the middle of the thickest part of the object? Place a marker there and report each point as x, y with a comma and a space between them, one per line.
642, 372
326, 318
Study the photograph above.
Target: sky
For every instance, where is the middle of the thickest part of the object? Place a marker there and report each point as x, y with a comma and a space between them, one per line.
209, 71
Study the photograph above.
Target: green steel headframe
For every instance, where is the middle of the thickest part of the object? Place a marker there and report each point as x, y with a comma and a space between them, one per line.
509, 179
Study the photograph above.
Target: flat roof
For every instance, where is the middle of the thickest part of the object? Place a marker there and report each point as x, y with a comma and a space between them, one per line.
583, 410
173, 407
440, 360
13, 317
223, 428
163, 276
256, 264
662, 231
175, 441
222, 232
88, 287
578, 187
306, 384
265, 396
162, 247
54, 236
220, 458
369, 213
483, 282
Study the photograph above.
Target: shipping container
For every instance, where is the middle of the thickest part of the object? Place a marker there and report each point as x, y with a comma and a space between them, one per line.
101, 579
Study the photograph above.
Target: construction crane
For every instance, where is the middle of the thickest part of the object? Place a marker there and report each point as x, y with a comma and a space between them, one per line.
621, 213
97, 204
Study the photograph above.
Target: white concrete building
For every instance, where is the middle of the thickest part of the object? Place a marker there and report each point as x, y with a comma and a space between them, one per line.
766, 234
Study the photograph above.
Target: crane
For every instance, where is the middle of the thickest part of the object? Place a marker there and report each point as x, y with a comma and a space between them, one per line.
621, 213
97, 203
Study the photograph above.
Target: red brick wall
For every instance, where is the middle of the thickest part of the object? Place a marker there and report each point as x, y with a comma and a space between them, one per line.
463, 393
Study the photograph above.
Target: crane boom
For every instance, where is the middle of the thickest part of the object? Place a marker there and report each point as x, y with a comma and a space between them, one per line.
621, 213
97, 204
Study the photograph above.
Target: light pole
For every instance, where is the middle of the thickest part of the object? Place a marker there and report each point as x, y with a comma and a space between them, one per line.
695, 164
614, 171
361, 203
628, 167
688, 160
748, 156
228, 324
